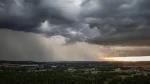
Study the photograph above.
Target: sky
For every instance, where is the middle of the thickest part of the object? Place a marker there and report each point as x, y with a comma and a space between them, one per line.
74, 30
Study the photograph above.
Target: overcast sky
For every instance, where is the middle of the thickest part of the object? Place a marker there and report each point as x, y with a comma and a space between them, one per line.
73, 30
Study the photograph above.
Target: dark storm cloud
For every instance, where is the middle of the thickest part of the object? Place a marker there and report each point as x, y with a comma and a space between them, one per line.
124, 22
118, 21
15, 16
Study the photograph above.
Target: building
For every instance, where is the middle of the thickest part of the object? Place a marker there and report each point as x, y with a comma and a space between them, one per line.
71, 70
53, 66
118, 69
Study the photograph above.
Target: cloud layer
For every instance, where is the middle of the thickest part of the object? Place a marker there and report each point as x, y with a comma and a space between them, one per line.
118, 21
17, 45
24, 46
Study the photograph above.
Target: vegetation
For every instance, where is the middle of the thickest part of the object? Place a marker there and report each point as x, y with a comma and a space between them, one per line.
60, 77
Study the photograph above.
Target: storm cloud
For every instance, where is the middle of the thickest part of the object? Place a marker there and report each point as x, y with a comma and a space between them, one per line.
23, 46
115, 22
64, 30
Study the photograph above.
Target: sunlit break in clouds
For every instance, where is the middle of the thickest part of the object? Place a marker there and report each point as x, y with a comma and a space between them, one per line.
129, 58
75, 30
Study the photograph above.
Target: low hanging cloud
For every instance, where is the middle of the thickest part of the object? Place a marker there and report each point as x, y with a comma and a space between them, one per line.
24, 46
19, 45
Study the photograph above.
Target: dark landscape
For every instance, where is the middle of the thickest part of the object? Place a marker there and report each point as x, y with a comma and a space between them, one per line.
74, 72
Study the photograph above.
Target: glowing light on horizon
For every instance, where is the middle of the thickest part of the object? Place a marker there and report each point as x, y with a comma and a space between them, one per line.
131, 58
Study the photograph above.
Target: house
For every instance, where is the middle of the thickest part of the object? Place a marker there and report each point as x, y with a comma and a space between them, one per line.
118, 69
71, 70
54, 66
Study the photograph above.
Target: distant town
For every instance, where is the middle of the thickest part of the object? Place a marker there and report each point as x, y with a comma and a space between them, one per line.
132, 68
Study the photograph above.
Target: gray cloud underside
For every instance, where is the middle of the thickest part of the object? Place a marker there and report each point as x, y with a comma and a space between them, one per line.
19, 45
15, 45
124, 22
